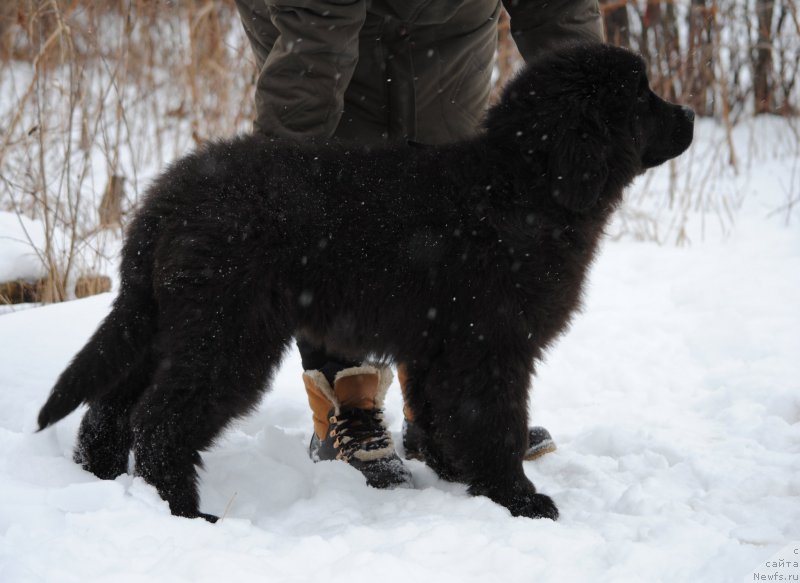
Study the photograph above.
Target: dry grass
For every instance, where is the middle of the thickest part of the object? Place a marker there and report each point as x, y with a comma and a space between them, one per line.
104, 93
101, 91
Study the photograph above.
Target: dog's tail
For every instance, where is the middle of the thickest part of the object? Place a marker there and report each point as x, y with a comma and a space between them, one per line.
117, 345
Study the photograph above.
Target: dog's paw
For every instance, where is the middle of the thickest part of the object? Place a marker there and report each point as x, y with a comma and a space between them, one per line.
535, 506
521, 499
104, 462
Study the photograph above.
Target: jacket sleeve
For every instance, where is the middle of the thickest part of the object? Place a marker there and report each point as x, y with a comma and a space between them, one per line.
313, 51
538, 25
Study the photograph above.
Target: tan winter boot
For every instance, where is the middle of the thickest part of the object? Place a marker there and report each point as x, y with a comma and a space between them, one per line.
540, 442
348, 423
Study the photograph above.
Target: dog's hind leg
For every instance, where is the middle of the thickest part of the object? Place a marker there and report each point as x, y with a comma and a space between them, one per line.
215, 357
476, 412
104, 437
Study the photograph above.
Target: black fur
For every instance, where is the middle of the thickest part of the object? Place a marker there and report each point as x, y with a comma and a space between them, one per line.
462, 261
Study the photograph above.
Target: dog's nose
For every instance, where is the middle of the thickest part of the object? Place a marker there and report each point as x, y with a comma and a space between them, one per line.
688, 112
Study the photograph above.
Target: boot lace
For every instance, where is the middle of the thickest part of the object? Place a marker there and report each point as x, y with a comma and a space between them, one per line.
357, 430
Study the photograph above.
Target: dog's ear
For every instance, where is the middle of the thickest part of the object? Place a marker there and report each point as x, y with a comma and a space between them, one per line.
578, 167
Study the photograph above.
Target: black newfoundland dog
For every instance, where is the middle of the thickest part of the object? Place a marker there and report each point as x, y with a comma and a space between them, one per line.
462, 261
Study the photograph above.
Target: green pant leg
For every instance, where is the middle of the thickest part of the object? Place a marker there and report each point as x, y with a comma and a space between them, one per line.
259, 28
306, 51
539, 25
427, 80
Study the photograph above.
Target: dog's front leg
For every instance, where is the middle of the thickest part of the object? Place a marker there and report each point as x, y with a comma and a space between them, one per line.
477, 415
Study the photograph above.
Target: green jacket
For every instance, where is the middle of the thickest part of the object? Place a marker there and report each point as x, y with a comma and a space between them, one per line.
392, 69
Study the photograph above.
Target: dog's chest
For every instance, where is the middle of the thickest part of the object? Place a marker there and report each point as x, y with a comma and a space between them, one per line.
547, 273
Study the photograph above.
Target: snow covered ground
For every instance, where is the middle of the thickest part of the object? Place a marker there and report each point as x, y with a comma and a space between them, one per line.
674, 399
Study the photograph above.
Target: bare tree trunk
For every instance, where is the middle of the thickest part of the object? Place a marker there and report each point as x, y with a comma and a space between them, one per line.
615, 19
762, 68
672, 48
663, 65
788, 69
700, 57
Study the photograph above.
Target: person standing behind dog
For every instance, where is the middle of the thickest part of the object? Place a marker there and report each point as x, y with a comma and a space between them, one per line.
377, 71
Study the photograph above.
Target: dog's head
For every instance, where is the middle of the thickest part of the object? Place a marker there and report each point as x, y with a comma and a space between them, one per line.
585, 117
